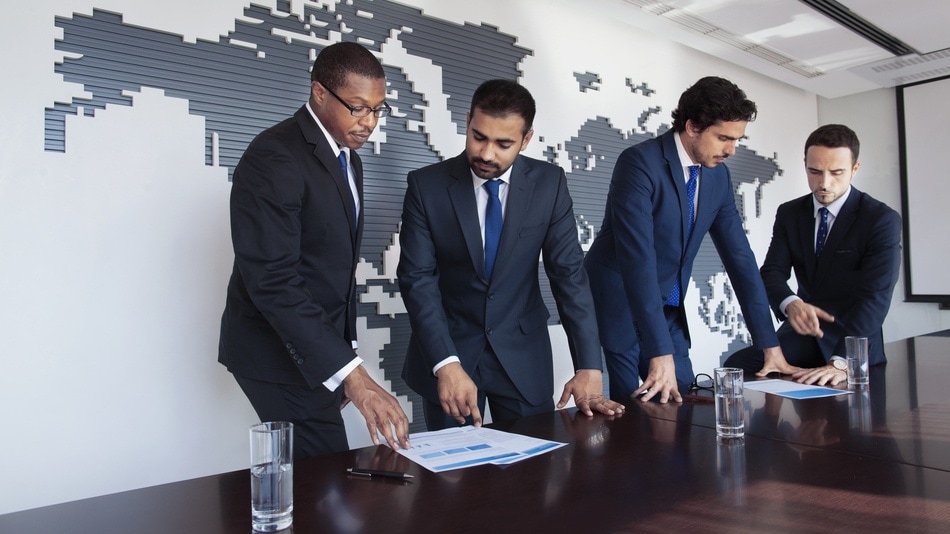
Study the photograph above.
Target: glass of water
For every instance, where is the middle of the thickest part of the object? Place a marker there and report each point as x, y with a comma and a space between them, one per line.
856, 351
272, 476
730, 408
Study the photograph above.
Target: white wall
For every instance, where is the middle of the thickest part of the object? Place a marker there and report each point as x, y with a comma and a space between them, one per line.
873, 116
114, 256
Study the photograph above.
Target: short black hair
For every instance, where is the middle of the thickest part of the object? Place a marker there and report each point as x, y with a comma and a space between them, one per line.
835, 136
338, 60
712, 100
504, 97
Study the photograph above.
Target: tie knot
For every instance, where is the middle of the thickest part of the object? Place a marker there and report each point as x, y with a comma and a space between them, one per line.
693, 172
492, 187
342, 159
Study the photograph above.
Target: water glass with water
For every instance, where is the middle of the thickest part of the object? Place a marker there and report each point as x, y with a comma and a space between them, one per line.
730, 407
856, 351
272, 476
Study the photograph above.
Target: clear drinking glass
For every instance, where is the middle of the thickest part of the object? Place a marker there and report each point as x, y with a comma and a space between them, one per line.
272, 476
730, 408
856, 352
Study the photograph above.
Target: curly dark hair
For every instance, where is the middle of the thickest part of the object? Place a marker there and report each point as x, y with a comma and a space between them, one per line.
337, 60
712, 100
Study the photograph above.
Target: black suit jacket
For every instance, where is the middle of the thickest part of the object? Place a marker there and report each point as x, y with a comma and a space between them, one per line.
455, 310
290, 314
854, 277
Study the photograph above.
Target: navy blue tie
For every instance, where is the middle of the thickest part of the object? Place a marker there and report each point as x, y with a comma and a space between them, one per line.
822, 231
346, 176
674, 298
493, 222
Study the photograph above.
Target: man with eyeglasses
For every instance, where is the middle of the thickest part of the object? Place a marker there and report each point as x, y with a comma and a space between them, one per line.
473, 228
288, 332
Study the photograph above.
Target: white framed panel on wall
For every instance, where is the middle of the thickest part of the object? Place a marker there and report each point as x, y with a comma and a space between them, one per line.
923, 115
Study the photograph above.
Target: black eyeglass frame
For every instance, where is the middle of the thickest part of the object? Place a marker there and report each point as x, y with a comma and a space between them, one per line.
362, 111
695, 386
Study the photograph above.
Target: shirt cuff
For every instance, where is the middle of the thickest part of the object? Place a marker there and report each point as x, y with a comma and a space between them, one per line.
443, 363
784, 304
334, 381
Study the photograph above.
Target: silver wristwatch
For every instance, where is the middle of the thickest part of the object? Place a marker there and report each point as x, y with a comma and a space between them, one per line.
839, 363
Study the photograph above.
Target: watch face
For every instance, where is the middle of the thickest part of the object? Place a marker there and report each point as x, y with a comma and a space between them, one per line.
840, 364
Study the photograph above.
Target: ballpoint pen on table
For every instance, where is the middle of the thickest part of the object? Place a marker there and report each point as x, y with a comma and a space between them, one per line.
378, 473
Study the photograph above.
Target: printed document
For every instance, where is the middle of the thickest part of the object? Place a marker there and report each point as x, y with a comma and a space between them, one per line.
467, 446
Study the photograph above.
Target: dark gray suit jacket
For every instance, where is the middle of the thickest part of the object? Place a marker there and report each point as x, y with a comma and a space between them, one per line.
454, 310
290, 314
854, 277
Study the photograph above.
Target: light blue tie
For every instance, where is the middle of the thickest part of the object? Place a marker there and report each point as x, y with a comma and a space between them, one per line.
493, 222
674, 298
822, 231
346, 176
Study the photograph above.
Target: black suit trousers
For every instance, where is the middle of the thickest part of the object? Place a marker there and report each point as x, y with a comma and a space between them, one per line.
315, 413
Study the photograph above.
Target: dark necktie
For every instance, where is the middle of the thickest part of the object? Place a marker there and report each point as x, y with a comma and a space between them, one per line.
674, 298
346, 177
822, 231
493, 223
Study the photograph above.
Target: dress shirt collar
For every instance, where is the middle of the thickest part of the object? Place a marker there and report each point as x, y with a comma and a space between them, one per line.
685, 160
479, 182
834, 207
330, 140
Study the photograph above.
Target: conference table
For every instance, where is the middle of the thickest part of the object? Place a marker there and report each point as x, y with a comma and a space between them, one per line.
873, 459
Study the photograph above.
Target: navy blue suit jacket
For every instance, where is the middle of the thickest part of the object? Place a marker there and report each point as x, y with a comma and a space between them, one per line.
455, 310
291, 303
642, 248
854, 277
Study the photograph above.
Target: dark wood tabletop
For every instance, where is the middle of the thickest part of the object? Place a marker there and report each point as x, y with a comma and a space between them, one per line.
839, 464
902, 416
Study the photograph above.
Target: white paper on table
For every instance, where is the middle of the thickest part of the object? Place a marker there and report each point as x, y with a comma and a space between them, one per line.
793, 390
468, 446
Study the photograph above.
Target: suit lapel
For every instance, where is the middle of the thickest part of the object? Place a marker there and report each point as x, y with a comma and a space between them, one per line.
520, 188
326, 157
839, 229
462, 194
679, 185
844, 220
357, 164
707, 190
806, 234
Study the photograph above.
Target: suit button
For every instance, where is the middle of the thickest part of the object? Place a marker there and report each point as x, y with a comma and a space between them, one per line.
491, 295
489, 331
289, 345
293, 351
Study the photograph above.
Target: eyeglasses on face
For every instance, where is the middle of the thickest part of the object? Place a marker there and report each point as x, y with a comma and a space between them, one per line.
361, 111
